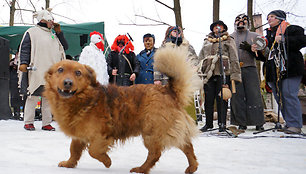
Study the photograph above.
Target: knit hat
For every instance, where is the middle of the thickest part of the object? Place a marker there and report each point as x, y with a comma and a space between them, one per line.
278, 13
43, 14
219, 22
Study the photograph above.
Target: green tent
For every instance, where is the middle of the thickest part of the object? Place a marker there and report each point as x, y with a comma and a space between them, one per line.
77, 35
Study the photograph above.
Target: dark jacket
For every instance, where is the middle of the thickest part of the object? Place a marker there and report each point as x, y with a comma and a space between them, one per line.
124, 71
294, 41
146, 72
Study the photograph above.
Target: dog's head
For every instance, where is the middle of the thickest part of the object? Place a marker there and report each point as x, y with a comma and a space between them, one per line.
69, 78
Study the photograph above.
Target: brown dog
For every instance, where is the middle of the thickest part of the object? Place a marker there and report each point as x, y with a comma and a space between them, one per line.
97, 116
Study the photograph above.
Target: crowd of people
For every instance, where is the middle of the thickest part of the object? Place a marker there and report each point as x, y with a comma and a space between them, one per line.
226, 61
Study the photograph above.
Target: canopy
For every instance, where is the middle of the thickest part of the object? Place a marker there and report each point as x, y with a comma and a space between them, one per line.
77, 35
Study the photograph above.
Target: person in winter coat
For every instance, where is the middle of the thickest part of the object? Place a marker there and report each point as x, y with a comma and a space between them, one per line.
93, 56
174, 37
145, 58
246, 104
122, 64
284, 73
211, 72
16, 101
40, 49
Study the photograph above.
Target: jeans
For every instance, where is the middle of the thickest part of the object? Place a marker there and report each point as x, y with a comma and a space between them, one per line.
291, 107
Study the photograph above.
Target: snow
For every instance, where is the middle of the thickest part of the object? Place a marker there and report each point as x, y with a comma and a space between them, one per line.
40, 151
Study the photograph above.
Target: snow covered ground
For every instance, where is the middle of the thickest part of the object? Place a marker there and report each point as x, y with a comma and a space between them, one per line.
39, 152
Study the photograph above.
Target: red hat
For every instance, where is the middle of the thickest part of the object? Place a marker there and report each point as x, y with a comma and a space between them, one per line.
122, 39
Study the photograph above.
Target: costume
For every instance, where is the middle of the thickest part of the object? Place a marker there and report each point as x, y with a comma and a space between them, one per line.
246, 103
210, 71
117, 59
93, 56
291, 73
40, 48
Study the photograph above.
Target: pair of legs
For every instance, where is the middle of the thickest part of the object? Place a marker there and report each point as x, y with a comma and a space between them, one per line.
29, 111
212, 89
291, 106
99, 148
246, 103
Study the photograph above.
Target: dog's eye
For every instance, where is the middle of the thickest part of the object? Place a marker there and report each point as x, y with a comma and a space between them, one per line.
78, 73
60, 70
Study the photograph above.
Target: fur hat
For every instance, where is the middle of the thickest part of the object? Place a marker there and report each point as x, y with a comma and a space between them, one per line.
122, 38
44, 14
278, 13
219, 22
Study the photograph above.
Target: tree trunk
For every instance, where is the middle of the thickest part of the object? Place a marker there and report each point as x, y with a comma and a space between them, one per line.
12, 12
216, 8
250, 14
47, 4
177, 13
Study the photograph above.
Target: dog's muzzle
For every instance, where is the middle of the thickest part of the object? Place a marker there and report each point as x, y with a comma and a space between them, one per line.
66, 92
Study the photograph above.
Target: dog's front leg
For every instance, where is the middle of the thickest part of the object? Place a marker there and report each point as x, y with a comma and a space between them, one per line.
76, 149
98, 149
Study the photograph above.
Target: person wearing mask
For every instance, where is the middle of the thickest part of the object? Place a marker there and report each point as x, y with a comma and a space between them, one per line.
145, 58
210, 70
246, 104
285, 67
40, 49
122, 64
93, 56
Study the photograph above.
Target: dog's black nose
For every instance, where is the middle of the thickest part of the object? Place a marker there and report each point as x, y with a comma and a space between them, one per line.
68, 83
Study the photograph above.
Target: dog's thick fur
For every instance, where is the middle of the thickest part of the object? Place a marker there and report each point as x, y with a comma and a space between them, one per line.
97, 116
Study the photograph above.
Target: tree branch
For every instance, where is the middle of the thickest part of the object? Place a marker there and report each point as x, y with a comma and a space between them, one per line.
33, 5
164, 4
64, 17
160, 22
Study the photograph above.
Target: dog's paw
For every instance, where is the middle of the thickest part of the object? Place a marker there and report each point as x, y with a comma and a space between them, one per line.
107, 162
139, 170
66, 164
191, 169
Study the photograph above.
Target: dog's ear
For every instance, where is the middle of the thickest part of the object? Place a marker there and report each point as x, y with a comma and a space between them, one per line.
48, 74
91, 75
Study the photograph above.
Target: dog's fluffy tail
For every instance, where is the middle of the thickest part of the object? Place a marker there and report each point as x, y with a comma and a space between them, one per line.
183, 79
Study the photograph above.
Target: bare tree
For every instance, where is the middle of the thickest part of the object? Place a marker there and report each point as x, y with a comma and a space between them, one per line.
12, 12
250, 14
47, 4
216, 9
177, 11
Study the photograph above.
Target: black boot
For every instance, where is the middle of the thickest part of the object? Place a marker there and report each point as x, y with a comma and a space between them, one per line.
242, 127
260, 127
222, 127
205, 128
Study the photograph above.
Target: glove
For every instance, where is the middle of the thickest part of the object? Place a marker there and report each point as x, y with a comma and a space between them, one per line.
245, 46
57, 27
23, 67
